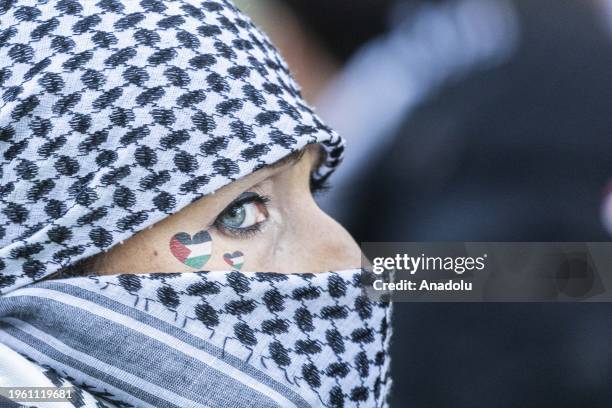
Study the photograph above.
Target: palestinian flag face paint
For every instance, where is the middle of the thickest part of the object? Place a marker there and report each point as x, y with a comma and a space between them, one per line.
194, 251
235, 259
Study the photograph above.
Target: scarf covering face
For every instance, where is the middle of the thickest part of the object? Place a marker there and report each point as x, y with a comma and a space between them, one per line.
206, 339
114, 115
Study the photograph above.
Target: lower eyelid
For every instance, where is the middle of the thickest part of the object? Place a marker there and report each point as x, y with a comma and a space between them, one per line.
242, 233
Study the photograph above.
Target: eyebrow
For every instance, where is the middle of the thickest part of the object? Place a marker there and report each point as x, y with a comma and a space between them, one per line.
287, 160
296, 157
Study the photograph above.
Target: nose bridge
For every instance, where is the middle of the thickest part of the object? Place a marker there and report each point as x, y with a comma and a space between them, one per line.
327, 245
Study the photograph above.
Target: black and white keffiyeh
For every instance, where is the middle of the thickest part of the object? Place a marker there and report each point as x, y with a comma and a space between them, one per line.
207, 339
114, 115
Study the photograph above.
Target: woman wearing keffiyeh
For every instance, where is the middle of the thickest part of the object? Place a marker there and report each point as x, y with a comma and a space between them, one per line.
143, 143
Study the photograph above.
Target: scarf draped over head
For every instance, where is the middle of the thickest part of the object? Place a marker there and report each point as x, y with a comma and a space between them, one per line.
115, 114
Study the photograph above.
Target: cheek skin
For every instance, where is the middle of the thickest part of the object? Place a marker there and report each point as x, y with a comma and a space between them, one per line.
150, 252
313, 241
142, 255
275, 236
307, 242
322, 244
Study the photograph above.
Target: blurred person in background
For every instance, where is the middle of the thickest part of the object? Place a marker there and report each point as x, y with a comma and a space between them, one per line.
315, 46
490, 121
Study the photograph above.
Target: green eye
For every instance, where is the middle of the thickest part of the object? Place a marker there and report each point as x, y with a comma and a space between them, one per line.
235, 217
243, 215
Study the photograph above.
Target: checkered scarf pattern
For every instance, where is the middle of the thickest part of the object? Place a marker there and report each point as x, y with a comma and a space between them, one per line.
114, 115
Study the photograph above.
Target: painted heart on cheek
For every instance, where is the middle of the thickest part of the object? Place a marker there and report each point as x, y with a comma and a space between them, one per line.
193, 251
235, 259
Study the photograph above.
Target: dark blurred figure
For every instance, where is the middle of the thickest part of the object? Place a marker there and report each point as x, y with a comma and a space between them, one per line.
474, 120
343, 26
317, 37
519, 152
522, 152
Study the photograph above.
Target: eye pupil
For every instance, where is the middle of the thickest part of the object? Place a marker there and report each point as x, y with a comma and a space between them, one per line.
234, 217
244, 216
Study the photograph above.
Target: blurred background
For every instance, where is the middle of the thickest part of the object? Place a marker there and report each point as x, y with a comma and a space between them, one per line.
469, 120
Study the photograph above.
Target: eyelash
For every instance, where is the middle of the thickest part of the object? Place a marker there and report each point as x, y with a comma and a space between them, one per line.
242, 233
